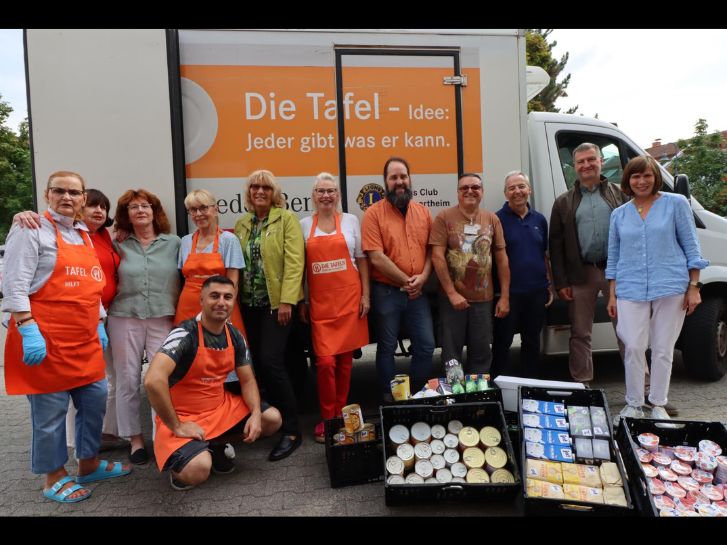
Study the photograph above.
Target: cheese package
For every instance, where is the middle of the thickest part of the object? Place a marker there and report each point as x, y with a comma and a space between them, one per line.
542, 470
544, 421
610, 475
535, 435
543, 407
584, 450
577, 492
599, 421
582, 474
580, 421
542, 489
601, 450
614, 495
554, 453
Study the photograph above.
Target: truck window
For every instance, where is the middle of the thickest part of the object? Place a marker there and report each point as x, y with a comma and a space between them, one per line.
615, 154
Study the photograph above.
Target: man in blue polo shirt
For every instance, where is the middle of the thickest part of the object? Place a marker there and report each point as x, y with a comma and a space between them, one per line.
526, 239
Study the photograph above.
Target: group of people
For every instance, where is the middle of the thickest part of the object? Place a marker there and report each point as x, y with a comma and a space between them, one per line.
213, 311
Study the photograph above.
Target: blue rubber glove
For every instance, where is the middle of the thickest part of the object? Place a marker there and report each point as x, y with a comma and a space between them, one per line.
33, 344
102, 335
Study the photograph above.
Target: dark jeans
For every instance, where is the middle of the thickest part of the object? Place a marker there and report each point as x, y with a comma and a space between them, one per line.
473, 327
527, 315
268, 341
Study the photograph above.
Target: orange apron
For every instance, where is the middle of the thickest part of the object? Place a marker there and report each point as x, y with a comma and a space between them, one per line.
334, 289
197, 269
66, 309
200, 397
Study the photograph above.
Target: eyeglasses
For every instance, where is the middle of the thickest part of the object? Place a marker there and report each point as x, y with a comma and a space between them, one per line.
135, 207
59, 192
326, 190
466, 188
202, 209
257, 187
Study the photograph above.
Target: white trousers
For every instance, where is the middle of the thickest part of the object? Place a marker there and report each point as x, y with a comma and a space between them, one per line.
129, 338
649, 323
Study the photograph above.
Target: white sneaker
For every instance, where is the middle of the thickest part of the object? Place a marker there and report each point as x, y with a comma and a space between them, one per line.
659, 413
629, 412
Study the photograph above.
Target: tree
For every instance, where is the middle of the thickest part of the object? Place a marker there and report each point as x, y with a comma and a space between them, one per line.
704, 159
15, 182
538, 52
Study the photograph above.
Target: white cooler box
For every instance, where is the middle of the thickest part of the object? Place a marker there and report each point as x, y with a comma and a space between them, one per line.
509, 386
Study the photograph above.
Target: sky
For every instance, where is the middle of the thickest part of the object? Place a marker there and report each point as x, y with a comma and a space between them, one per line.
652, 83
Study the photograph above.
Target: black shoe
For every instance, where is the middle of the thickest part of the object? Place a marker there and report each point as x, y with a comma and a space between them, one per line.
139, 457
285, 447
221, 464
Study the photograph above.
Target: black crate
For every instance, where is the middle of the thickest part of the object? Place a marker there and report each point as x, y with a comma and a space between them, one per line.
548, 506
477, 415
359, 463
687, 433
491, 395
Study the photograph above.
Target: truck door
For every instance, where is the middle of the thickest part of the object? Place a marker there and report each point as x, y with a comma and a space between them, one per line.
406, 103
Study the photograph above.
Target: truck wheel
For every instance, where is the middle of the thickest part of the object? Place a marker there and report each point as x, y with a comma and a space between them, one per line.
704, 340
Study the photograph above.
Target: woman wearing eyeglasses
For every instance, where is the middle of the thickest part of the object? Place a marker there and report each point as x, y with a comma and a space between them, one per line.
142, 314
337, 276
207, 252
54, 347
271, 286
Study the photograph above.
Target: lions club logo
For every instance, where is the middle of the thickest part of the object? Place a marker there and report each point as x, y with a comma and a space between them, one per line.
369, 194
97, 273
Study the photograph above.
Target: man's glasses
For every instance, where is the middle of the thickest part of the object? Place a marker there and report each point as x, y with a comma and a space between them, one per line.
201, 210
134, 207
257, 187
326, 190
466, 188
59, 192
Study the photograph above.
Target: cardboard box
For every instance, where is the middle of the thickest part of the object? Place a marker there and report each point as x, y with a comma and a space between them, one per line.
509, 387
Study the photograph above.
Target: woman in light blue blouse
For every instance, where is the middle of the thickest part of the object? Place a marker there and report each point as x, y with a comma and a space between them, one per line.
653, 268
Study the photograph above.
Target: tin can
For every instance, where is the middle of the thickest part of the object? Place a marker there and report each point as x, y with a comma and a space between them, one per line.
502, 476
450, 440
495, 458
468, 437
438, 462
458, 480
444, 475
473, 457
424, 468
458, 469
422, 451
431, 480
399, 434
400, 388
437, 446
438, 431
344, 437
366, 433
454, 427
490, 437
395, 479
709, 447
477, 476
649, 441
394, 465
413, 478
421, 432
406, 453
451, 456
352, 417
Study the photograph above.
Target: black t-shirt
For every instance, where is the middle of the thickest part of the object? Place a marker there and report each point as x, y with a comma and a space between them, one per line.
182, 342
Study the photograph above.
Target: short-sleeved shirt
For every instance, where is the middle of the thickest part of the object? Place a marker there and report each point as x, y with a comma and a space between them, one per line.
403, 239
229, 249
469, 251
254, 287
183, 341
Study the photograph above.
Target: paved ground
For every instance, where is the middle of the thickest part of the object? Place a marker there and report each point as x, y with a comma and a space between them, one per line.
298, 485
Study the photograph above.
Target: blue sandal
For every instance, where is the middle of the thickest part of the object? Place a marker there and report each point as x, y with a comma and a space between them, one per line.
62, 497
102, 474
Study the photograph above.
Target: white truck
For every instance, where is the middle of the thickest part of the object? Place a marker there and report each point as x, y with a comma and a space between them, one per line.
174, 110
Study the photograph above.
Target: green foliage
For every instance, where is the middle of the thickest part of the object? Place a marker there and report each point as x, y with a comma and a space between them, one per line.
15, 177
538, 52
705, 162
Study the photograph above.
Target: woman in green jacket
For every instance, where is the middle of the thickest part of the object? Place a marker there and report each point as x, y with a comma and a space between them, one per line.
271, 286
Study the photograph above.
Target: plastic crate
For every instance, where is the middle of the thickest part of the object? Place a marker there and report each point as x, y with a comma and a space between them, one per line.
687, 433
548, 506
491, 395
477, 415
359, 463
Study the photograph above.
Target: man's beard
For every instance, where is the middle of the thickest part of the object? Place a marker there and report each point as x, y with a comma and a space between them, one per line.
400, 200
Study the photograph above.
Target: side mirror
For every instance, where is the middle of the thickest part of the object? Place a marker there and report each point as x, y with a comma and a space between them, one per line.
681, 185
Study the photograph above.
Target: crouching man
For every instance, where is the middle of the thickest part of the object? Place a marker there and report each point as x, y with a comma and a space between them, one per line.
185, 384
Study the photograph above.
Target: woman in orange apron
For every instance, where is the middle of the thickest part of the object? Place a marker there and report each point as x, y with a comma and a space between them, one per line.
337, 277
206, 252
55, 341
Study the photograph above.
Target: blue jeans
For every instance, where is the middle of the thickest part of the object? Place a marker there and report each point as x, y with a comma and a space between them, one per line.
389, 305
48, 415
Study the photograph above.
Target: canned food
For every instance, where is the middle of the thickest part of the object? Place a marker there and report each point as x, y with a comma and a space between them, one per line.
344, 437
714, 493
706, 462
656, 487
450, 441
468, 437
352, 417
649, 470
424, 468
458, 469
661, 459
444, 475
666, 474
366, 433
502, 476
400, 390
399, 434
395, 479
495, 458
437, 446
490, 437
454, 426
394, 465
649, 441
645, 457
477, 476
674, 490
664, 502
413, 478
431, 480
709, 447
701, 476
687, 483
421, 432
451, 456
473, 457
406, 453
422, 451
681, 468
438, 462
438, 431
458, 480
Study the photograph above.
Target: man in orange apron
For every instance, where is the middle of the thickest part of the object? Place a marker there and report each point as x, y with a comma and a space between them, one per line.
185, 387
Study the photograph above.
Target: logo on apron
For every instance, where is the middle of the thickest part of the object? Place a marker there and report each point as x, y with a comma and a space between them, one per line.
325, 267
97, 274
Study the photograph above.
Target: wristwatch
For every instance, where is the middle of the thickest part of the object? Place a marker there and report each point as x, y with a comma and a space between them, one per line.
697, 285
